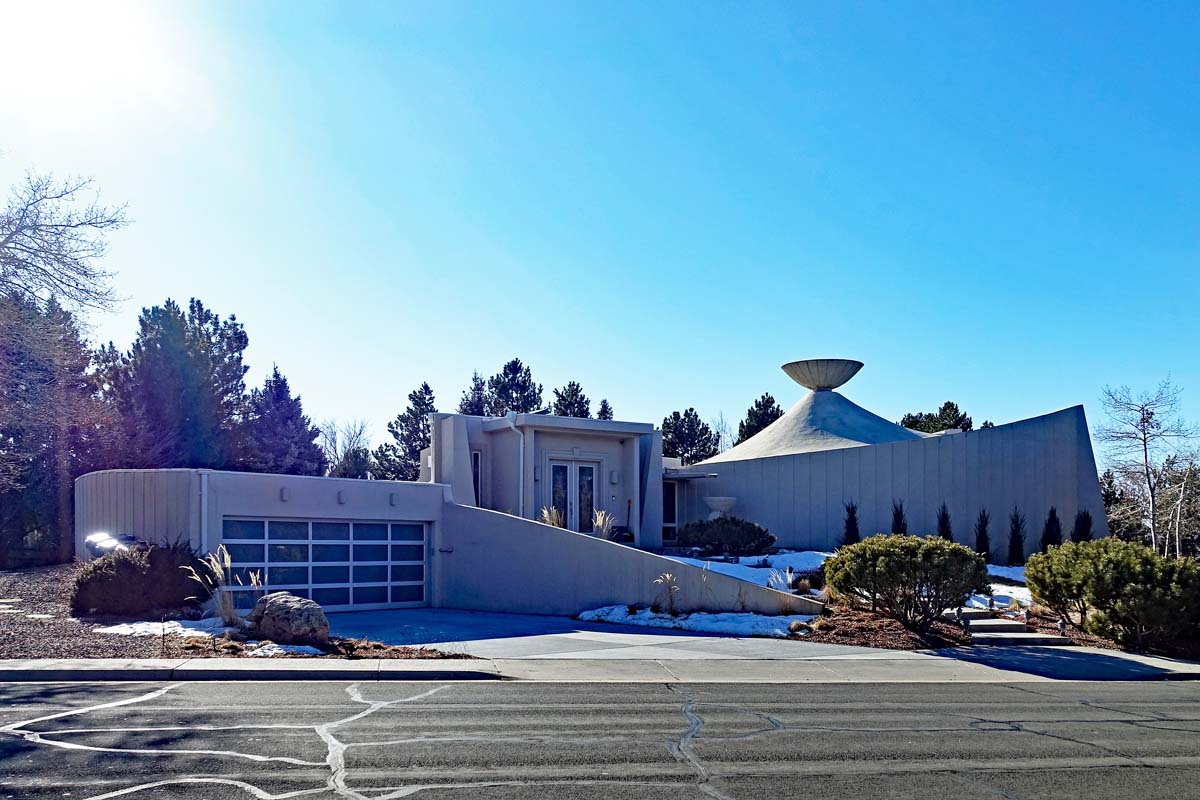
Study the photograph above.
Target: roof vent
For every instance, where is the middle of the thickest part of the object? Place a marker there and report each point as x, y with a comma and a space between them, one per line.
821, 374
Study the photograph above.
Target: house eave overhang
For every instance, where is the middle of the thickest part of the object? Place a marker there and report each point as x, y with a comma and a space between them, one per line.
569, 424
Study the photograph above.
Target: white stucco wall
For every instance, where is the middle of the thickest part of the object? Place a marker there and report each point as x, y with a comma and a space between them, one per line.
503, 563
1032, 464
160, 505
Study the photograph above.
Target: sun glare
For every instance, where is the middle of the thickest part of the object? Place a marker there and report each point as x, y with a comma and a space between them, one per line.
76, 60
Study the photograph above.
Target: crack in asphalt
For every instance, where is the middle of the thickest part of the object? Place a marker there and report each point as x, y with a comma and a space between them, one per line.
682, 749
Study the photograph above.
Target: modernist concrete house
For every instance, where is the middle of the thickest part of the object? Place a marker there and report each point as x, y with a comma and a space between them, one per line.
463, 535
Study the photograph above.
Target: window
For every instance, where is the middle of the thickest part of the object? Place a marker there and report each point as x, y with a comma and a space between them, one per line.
477, 476
670, 512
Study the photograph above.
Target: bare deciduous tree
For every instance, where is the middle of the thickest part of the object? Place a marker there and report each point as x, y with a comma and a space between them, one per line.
721, 427
1143, 432
347, 448
52, 234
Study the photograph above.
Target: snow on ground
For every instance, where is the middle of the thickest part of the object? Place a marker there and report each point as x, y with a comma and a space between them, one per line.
271, 649
748, 567
758, 569
1011, 573
210, 626
1003, 595
733, 624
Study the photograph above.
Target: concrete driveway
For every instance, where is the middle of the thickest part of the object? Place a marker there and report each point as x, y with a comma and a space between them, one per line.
489, 635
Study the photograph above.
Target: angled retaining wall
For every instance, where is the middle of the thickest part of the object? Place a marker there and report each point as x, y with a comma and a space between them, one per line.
497, 562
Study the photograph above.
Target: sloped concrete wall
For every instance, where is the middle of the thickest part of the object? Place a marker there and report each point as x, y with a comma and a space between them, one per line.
1032, 464
495, 562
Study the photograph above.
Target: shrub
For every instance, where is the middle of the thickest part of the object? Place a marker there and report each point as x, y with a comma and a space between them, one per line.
943, 523
1122, 590
899, 520
133, 581
1081, 531
1137, 596
983, 542
1051, 531
850, 529
1016, 538
908, 578
1059, 578
726, 536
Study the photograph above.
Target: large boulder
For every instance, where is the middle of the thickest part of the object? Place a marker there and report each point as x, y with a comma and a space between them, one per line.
286, 619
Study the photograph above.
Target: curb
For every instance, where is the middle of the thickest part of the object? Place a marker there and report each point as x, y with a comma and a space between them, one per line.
212, 669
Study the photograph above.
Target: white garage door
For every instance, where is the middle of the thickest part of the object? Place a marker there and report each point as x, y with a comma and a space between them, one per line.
339, 564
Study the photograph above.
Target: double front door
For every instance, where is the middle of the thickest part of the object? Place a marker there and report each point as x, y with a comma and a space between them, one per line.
573, 492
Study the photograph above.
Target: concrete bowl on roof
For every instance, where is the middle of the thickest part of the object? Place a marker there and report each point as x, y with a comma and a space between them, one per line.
822, 373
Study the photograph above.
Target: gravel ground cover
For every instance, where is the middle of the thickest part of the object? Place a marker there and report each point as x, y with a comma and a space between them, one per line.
36, 622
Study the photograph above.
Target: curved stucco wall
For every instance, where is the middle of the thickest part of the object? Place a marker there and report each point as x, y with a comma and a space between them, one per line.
1032, 464
498, 562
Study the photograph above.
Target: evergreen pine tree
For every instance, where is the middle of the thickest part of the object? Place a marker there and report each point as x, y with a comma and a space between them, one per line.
605, 411
850, 533
513, 389
764, 411
1052, 530
570, 401
180, 389
899, 520
983, 541
943, 523
1016, 538
401, 460
945, 418
687, 437
280, 438
1081, 531
474, 399
355, 463
53, 427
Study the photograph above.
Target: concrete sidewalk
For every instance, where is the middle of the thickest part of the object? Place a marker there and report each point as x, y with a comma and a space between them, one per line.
960, 665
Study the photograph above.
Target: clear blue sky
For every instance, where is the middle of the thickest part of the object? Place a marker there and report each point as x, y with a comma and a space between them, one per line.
993, 203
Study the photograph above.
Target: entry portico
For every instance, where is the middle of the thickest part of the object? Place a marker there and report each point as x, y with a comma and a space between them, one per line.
522, 463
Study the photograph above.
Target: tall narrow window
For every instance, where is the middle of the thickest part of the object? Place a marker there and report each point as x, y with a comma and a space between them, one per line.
477, 476
670, 516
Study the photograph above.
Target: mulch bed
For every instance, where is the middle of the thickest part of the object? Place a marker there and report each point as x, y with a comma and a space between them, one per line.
45, 590
863, 629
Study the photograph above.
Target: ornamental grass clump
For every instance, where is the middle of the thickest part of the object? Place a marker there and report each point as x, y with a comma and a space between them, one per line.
214, 576
911, 579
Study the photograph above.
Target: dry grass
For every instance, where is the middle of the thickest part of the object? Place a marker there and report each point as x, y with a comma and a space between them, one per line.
217, 579
602, 523
552, 516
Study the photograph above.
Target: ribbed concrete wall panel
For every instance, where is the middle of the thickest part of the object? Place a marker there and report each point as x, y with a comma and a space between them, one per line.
1032, 465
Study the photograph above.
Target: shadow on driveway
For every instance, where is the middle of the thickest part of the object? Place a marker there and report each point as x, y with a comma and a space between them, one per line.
420, 626
1072, 663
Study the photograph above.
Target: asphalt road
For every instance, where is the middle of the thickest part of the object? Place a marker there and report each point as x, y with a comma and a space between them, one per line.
564, 740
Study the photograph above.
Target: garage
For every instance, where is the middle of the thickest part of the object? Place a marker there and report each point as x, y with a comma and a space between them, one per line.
340, 564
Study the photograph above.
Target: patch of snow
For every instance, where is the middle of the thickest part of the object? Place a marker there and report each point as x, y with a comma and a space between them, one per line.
1011, 573
801, 561
748, 569
736, 624
272, 649
1004, 596
209, 626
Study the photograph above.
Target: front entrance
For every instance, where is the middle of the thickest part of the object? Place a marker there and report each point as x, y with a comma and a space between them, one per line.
573, 492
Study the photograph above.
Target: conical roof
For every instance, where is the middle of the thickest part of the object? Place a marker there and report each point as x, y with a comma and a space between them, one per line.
822, 420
